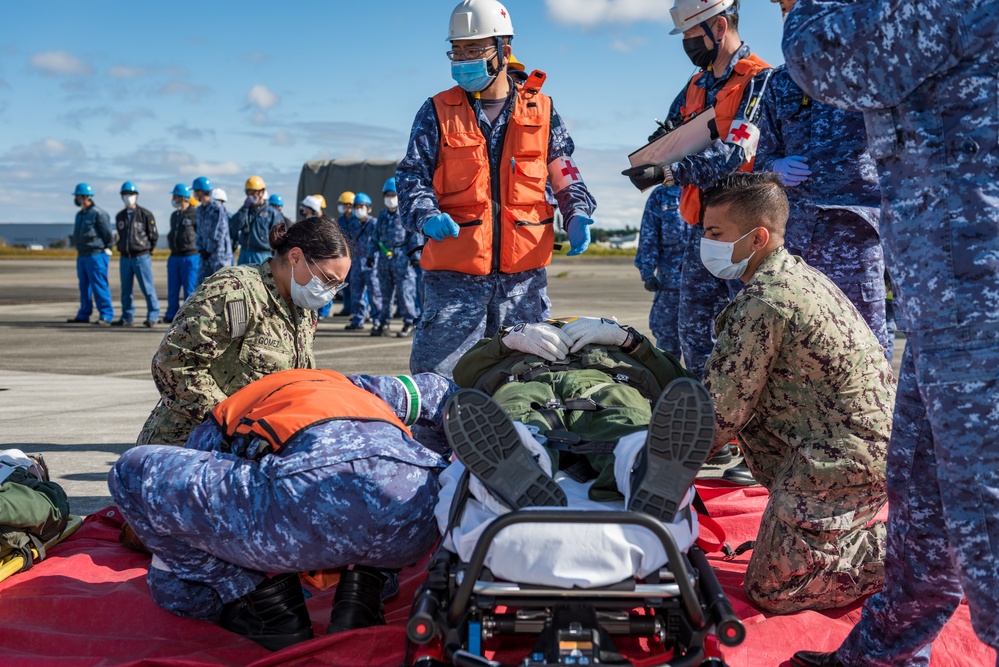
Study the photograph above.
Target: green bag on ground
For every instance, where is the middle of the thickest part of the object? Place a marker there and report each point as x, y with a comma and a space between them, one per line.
31, 512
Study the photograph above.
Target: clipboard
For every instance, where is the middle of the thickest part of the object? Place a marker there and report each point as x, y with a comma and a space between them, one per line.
690, 138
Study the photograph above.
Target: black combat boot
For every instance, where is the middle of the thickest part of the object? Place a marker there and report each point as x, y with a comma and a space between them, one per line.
815, 659
357, 602
274, 615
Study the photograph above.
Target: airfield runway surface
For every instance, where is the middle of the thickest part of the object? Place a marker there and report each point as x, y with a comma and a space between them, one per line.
79, 394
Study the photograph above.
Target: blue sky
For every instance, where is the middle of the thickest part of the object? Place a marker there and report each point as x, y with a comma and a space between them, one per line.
160, 94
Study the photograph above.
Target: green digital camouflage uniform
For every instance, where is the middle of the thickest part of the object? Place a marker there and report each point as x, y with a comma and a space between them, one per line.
614, 387
236, 328
800, 378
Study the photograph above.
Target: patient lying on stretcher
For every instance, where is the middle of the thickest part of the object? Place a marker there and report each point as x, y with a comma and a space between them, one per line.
596, 405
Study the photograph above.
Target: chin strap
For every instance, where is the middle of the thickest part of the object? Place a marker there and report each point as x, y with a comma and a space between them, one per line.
715, 44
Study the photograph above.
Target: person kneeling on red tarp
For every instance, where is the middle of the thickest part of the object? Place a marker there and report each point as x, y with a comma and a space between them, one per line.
301, 470
799, 377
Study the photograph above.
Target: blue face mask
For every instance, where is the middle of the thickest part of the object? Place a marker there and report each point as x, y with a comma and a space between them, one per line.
472, 75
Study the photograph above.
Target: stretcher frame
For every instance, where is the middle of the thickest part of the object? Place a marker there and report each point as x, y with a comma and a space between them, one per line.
11, 564
683, 607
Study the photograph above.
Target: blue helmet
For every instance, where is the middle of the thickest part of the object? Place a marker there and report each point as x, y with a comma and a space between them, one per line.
84, 190
182, 190
361, 198
389, 185
202, 183
128, 187
276, 200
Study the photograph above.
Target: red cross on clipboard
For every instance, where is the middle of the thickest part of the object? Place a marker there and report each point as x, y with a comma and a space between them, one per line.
741, 133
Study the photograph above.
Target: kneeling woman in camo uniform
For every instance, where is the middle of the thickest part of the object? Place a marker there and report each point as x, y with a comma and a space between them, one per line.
243, 323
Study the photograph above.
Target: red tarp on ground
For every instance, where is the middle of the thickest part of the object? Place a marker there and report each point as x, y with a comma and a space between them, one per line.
88, 604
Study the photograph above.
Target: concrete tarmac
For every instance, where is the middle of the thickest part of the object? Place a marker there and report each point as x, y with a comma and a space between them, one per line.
79, 394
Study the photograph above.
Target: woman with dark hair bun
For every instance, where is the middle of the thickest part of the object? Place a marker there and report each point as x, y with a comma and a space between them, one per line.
243, 323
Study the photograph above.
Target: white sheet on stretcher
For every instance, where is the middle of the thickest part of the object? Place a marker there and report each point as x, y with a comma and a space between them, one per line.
562, 555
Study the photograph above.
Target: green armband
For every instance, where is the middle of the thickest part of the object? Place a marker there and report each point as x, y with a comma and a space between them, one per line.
413, 399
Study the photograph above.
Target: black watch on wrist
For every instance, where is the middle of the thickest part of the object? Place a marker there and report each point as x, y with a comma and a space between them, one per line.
633, 340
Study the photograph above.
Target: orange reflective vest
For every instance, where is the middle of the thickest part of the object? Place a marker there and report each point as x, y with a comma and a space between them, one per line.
281, 405
727, 105
473, 194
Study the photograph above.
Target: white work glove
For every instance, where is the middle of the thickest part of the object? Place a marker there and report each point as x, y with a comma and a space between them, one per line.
107, 251
540, 339
600, 331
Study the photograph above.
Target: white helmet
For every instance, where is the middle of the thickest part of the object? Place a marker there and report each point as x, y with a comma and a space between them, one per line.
312, 202
477, 19
218, 194
688, 13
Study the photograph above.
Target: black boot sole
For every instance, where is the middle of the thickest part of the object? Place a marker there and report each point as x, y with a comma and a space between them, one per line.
279, 642
681, 431
484, 439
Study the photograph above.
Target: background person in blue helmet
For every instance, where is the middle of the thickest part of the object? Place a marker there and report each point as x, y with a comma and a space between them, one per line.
182, 266
253, 222
485, 163
214, 244
92, 237
661, 243
277, 202
366, 295
398, 260
137, 235
925, 74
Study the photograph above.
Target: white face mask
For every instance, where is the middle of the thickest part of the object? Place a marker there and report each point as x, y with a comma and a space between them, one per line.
717, 258
313, 296
129, 200
361, 213
342, 209
391, 203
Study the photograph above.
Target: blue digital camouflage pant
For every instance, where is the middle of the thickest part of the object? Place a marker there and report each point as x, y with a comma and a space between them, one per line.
397, 282
664, 320
219, 522
702, 298
366, 298
943, 498
461, 309
847, 250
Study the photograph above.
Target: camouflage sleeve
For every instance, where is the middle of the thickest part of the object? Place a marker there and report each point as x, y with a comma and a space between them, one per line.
574, 199
649, 241
415, 174
182, 366
721, 158
221, 231
771, 146
829, 46
103, 225
749, 337
414, 398
484, 355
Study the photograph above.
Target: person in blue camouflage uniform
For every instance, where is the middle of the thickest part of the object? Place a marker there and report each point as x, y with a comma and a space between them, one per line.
661, 244
366, 294
702, 296
460, 309
212, 239
217, 516
398, 253
835, 209
924, 73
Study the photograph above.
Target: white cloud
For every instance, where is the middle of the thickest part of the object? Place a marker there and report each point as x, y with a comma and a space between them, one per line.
627, 45
262, 97
54, 63
229, 168
590, 13
124, 72
189, 91
283, 138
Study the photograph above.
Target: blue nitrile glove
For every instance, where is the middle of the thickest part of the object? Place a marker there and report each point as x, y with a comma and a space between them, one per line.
578, 230
439, 226
793, 170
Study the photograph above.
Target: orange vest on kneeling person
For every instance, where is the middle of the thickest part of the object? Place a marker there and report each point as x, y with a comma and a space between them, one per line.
727, 105
465, 185
281, 405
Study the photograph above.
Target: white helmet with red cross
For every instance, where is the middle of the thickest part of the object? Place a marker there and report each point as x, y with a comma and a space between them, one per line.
687, 14
479, 19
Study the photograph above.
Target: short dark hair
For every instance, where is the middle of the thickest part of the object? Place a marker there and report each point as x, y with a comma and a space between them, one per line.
757, 199
319, 238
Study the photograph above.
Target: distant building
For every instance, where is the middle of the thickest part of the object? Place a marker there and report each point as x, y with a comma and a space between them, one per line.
29, 234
